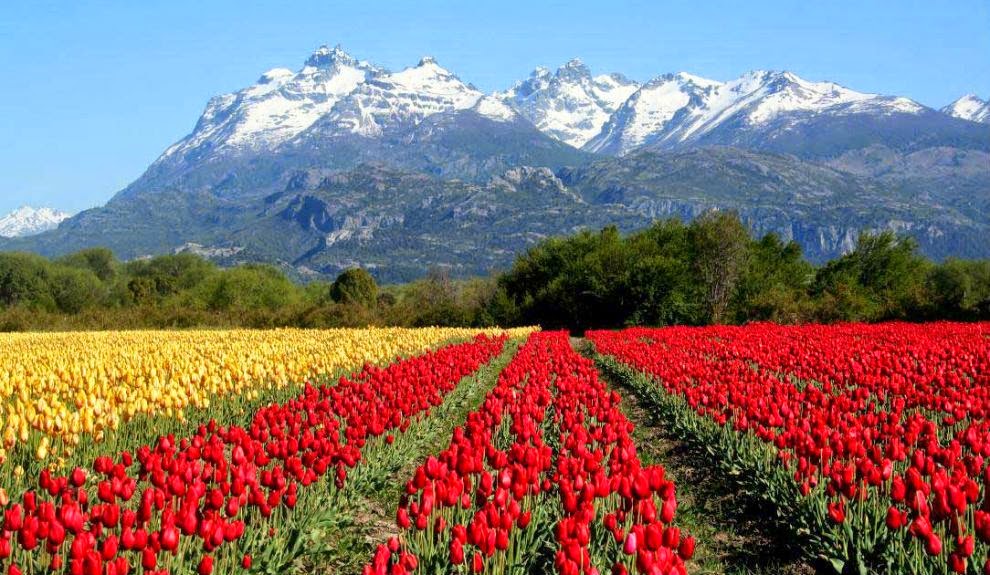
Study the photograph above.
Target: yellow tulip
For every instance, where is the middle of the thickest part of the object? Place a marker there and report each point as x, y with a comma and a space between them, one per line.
42, 452
73, 386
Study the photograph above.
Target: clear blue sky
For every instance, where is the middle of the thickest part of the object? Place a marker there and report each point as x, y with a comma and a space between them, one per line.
92, 92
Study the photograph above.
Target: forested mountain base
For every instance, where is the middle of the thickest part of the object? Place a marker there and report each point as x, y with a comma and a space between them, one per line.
712, 270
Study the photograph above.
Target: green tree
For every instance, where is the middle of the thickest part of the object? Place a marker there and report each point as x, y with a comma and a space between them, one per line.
75, 289
248, 287
355, 286
959, 289
434, 301
172, 274
142, 290
25, 281
576, 282
882, 278
100, 261
774, 283
663, 284
719, 242
317, 293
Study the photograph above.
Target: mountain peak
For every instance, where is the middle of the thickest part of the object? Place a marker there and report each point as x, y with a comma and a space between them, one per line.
429, 67
617, 77
688, 78
28, 221
279, 106
325, 57
423, 74
971, 98
276, 74
399, 99
969, 107
574, 69
540, 72
569, 104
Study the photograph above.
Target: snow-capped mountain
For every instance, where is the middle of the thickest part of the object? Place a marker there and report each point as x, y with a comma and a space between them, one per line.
336, 96
28, 221
343, 163
401, 99
678, 108
971, 108
338, 112
569, 104
280, 105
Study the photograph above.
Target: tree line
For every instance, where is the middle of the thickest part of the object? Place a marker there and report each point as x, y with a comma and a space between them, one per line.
92, 289
711, 270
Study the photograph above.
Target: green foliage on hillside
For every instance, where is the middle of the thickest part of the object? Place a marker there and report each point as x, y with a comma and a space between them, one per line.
711, 270
93, 290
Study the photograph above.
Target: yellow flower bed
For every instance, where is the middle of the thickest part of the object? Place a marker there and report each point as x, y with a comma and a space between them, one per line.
67, 386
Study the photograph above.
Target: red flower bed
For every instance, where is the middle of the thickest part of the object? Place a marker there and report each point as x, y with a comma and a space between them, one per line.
179, 501
547, 456
885, 424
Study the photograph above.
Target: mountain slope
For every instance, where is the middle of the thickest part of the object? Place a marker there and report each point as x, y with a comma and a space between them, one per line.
402, 119
470, 144
845, 128
397, 223
400, 223
782, 114
971, 108
824, 209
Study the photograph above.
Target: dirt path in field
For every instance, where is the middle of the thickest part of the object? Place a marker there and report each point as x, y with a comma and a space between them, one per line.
734, 533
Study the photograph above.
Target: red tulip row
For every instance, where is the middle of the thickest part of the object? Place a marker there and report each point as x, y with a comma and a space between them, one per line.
886, 426
178, 502
940, 367
548, 456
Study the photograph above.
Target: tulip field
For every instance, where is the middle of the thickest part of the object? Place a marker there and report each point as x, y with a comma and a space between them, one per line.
871, 440
73, 501
542, 478
387, 451
58, 389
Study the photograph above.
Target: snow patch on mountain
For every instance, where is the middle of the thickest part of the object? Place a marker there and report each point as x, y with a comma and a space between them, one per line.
28, 221
280, 105
648, 111
570, 104
676, 108
495, 109
402, 98
971, 108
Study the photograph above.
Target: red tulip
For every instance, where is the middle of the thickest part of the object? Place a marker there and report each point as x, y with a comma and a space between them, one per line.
205, 565
686, 548
456, 552
630, 546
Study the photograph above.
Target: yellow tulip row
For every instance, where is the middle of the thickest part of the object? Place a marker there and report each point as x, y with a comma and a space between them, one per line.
69, 386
